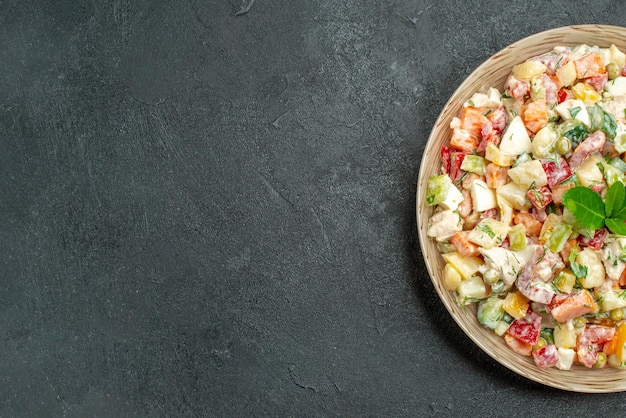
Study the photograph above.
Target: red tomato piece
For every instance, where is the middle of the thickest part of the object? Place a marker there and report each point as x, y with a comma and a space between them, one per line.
456, 159
596, 242
546, 356
446, 155
540, 197
563, 95
590, 343
526, 329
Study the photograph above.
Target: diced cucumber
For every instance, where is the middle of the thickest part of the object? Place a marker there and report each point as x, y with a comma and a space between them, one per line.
490, 312
474, 164
437, 189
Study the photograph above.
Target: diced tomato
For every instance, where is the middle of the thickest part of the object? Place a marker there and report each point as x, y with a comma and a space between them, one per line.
533, 226
589, 65
463, 140
597, 241
516, 88
540, 197
535, 115
590, 343
496, 176
518, 346
565, 307
546, 356
465, 247
556, 170
456, 159
563, 95
472, 120
598, 81
526, 329
559, 190
445, 154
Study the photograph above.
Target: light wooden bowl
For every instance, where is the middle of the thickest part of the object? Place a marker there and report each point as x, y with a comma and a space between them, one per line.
492, 73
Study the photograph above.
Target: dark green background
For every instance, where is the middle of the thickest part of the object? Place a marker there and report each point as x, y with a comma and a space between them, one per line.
207, 214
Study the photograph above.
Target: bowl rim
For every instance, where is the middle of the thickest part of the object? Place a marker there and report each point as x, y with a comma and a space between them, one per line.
519, 367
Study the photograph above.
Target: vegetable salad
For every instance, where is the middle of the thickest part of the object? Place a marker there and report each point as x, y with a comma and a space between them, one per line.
530, 208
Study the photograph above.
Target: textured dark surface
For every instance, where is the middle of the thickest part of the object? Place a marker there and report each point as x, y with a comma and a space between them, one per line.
211, 212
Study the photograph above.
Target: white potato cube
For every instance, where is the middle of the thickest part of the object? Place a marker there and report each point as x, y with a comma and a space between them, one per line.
617, 86
488, 233
595, 270
464, 265
589, 173
515, 139
515, 195
471, 289
483, 197
529, 174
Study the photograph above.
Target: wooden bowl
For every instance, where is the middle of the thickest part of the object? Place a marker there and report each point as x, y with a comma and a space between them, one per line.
492, 73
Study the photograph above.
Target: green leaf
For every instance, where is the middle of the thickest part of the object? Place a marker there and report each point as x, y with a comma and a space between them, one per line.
617, 226
586, 206
614, 201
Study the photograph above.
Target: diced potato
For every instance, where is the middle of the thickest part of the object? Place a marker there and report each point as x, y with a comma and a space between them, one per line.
515, 139
564, 336
567, 74
565, 281
493, 154
528, 69
451, 277
544, 140
488, 233
504, 263
589, 173
465, 266
529, 174
617, 57
471, 289
506, 210
515, 195
610, 299
595, 269
483, 198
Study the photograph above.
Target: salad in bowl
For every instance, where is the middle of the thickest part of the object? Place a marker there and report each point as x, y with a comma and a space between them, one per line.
528, 208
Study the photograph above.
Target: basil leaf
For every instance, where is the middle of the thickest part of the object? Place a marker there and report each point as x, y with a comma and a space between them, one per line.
617, 226
614, 199
586, 206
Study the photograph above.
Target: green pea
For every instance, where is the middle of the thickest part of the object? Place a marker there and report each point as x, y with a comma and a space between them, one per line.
579, 322
613, 70
600, 360
563, 145
617, 314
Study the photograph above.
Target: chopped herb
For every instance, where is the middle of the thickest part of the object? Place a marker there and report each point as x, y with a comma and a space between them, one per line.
487, 230
471, 103
573, 111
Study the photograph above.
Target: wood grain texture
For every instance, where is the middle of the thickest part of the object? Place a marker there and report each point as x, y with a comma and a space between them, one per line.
493, 72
